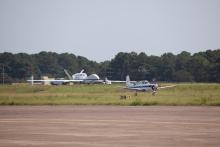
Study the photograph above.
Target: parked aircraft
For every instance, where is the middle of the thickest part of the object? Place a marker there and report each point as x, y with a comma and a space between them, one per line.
144, 86
75, 78
83, 78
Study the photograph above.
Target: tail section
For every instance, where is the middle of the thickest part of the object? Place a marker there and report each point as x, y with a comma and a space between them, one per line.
32, 80
128, 82
107, 81
68, 75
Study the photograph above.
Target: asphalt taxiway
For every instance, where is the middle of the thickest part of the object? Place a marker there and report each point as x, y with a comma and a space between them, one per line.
107, 126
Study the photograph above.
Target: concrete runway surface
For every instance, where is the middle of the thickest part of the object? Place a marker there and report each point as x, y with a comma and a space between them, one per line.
107, 126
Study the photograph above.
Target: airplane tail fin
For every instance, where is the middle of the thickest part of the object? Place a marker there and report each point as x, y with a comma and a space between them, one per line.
68, 75
107, 81
128, 80
32, 80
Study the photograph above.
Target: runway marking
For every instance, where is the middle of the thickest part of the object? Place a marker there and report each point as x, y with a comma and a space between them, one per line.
40, 142
100, 120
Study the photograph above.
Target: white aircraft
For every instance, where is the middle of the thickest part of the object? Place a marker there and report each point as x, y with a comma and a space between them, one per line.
144, 86
83, 78
77, 78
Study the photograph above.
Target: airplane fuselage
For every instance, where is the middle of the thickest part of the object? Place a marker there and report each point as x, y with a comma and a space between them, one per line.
79, 76
142, 86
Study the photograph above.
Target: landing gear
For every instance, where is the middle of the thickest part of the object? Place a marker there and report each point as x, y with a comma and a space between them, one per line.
154, 93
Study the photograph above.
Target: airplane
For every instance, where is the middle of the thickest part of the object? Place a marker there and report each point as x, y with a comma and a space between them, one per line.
83, 78
77, 78
144, 86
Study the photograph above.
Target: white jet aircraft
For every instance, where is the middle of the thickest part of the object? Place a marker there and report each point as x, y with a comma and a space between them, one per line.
83, 78
77, 78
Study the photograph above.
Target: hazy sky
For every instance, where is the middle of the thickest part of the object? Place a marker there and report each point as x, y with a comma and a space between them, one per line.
99, 29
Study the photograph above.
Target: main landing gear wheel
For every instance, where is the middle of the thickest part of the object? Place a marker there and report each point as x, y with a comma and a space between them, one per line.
154, 93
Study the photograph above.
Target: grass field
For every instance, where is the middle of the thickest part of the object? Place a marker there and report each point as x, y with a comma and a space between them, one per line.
182, 94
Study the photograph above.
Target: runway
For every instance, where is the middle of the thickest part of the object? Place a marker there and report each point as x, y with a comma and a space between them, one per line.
107, 126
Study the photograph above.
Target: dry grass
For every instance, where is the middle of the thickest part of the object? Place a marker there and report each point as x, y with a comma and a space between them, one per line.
182, 94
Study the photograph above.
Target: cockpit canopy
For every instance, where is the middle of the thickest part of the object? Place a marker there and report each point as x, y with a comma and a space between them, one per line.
142, 82
145, 82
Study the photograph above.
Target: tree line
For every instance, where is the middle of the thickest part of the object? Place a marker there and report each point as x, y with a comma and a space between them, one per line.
183, 67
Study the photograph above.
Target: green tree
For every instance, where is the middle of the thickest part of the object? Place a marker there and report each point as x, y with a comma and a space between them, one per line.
199, 67
167, 68
183, 76
120, 66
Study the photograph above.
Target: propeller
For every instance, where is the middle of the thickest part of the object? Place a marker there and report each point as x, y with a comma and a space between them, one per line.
156, 86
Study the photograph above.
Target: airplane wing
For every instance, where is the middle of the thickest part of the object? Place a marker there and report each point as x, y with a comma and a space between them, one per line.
164, 87
117, 81
120, 81
55, 80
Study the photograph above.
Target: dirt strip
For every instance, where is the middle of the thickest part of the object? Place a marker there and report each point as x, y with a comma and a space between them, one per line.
107, 126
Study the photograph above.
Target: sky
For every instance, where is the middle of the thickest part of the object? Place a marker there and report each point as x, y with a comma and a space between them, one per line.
99, 29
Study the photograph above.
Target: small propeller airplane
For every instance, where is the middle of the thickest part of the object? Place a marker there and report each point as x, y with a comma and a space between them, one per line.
144, 86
